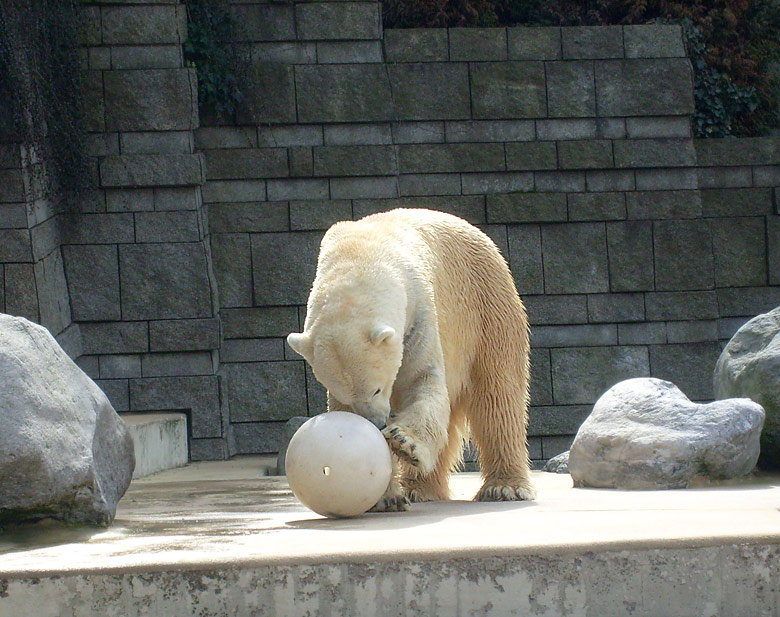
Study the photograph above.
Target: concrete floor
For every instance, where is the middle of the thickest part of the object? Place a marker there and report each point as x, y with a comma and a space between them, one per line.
221, 539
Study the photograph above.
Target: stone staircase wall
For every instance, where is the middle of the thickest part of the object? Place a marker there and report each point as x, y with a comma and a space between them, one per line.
637, 249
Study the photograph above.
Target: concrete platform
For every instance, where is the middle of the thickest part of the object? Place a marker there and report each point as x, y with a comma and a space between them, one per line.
160, 441
222, 539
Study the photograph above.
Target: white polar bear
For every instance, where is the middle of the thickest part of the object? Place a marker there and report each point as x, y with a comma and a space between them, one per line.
414, 323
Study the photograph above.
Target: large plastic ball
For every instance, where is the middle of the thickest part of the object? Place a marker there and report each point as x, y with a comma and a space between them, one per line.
338, 464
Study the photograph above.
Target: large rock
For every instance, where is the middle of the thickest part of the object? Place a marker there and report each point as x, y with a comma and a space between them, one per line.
750, 366
644, 433
64, 452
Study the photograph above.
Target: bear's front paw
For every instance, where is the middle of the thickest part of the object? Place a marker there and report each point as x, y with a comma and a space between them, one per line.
408, 448
519, 491
391, 503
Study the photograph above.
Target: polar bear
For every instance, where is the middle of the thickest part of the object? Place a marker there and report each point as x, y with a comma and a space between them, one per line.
414, 323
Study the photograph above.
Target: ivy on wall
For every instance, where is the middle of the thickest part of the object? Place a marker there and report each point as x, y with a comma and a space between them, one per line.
41, 95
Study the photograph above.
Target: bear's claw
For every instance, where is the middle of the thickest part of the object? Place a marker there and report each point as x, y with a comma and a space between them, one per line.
498, 492
401, 444
396, 503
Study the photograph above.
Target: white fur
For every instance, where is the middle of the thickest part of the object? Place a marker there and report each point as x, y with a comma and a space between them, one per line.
416, 312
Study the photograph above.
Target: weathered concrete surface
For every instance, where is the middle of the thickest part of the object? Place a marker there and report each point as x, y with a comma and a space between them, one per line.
219, 539
160, 441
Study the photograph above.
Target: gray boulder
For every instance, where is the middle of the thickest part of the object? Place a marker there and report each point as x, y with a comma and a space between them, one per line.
750, 366
645, 434
558, 464
64, 451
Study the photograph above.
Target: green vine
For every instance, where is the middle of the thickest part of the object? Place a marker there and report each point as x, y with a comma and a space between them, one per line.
220, 65
41, 93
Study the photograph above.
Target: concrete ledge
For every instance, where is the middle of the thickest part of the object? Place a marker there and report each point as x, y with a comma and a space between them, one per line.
218, 538
160, 441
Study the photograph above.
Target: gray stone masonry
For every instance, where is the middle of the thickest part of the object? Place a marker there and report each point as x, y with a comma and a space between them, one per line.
638, 250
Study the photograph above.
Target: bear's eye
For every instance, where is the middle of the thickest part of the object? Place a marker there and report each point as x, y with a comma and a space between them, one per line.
378, 392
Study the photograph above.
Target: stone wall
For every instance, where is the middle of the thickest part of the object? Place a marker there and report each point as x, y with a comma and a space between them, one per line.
637, 249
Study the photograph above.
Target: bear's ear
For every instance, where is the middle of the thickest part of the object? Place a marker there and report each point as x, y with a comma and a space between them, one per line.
381, 333
300, 342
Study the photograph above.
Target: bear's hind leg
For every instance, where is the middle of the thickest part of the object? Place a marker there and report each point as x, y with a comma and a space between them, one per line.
394, 499
497, 418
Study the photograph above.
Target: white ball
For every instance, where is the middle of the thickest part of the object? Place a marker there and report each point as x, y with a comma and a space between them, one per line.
338, 464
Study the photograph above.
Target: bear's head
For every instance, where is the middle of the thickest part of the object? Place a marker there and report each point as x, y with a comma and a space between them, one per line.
356, 362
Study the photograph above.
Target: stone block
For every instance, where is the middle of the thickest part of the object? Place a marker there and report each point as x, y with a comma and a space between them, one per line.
297, 188
89, 364
175, 226
526, 208
571, 89
284, 266
683, 255
99, 58
532, 155
117, 392
301, 161
488, 183
636, 153
690, 365
740, 251
103, 228
659, 127
630, 246
283, 136
53, 301
729, 152
508, 90
589, 42
606, 180
681, 305
209, 450
159, 142
232, 261
541, 381
338, 20
429, 184
10, 156
581, 375
264, 391
257, 437
119, 366
146, 57
692, 331
773, 245
416, 45
140, 25
727, 177
238, 164
641, 333
546, 310
664, 204
364, 188
745, 202
614, 308
183, 335
318, 214
733, 302
213, 137
259, 322
358, 134
252, 350
355, 161
589, 335
199, 394
176, 364
470, 208
15, 245
666, 179
169, 198
564, 181
234, 191
596, 207
489, 131
590, 154
248, 217
420, 132
654, 87
651, 41
477, 44
534, 43
11, 186
164, 281
264, 22
349, 52
566, 128
437, 91
270, 95
21, 296
151, 100
13, 216
498, 235
114, 337
93, 282
439, 158
135, 170
343, 93
525, 258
